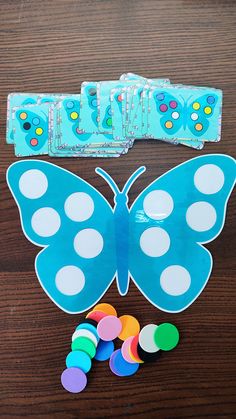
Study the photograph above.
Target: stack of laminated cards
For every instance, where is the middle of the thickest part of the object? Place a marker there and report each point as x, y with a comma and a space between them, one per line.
107, 116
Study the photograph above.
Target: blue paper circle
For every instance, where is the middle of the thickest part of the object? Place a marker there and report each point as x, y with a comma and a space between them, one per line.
90, 327
104, 350
79, 359
119, 366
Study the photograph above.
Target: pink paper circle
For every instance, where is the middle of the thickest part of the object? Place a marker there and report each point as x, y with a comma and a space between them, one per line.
125, 350
109, 328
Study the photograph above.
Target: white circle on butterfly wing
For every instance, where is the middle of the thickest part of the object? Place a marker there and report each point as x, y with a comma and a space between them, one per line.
85, 333
175, 280
70, 280
201, 216
209, 179
146, 338
175, 115
45, 222
194, 116
79, 206
158, 204
155, 242
88, 243
33, 184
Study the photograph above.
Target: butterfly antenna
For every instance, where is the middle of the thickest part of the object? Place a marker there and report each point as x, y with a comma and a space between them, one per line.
132, 178
108, 179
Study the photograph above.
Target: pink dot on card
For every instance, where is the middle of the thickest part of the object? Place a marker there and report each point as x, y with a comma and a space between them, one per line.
173, 104
34, 141
163, 108
109, 328
125, 350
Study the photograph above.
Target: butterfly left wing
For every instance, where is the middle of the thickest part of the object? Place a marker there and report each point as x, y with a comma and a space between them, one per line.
74, 224
169, 222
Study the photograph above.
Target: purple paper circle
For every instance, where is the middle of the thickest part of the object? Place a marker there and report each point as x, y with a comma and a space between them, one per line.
120, 367
73, 380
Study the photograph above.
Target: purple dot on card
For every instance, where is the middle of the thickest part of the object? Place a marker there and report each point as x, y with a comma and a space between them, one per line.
173, 104
73, 380
163, 108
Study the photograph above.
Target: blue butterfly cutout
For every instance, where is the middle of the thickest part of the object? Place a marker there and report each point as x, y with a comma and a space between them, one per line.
192, 114
158, 241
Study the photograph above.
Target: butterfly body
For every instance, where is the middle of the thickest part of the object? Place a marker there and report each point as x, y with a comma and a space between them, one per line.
158, 242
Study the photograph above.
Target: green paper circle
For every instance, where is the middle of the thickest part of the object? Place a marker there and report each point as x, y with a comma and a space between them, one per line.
84, 344
166, 336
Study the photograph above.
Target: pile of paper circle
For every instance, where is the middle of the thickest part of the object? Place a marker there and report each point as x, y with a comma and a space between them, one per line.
93, 339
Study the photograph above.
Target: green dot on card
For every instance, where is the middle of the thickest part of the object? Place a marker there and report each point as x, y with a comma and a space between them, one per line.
166, 336
84, 344
109, 122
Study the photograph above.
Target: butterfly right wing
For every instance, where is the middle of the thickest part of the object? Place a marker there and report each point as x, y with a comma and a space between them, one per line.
74, 224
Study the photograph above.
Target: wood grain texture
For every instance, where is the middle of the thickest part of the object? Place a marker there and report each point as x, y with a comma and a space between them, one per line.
52, 46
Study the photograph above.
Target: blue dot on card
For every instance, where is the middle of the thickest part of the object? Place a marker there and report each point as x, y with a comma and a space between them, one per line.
109, 111
94, 103
210, 100
70, 104
36, 121
160, 96
104, 350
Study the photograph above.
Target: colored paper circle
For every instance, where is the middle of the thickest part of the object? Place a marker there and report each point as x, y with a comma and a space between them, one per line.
74, 115
70, 104
86, 333
196, 106
35, 121
133, 350
210, 100
26, 126
106, 308
104, 350
120, 367
198, 127
88, 326
147, 338
148, 356
23, 115
173, 104
39, 131
207, 110
109, 328
160, 96
166, 336
96, 315
84, 344
90, 321
34, 142
125, 350
73, 380
163, 107
130, 326
79, 359
168, 124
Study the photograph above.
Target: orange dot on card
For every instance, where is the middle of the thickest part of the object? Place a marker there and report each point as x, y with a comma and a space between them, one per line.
23, 115
34, 142
198, 127
169, 124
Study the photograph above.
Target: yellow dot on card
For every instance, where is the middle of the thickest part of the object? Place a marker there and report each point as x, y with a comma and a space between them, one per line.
196, 106
198, 127
23, 115
39, 131
168, 124
74, 115
207, 110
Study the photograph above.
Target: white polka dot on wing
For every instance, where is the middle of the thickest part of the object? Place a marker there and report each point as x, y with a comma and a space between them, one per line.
33, 184
158, 204
155, 242
175, 115
88, 243
209, 179
70, 280
201, 216
45, 222
194, 116
175, 280
79, 206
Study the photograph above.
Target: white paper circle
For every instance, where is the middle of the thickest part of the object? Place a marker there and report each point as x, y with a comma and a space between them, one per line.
155, 241
70, 280
33, 184
209, 179
158, 204
201, 216
175, 280
46, 222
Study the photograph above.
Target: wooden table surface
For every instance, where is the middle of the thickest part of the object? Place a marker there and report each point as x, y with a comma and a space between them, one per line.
52, 46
